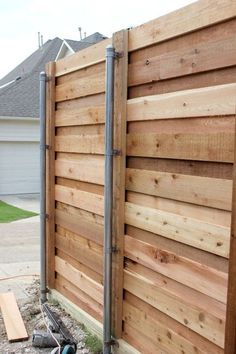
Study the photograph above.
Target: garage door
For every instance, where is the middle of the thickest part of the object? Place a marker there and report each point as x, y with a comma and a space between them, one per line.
19, 167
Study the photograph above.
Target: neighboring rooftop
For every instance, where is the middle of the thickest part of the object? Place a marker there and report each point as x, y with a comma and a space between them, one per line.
19, 90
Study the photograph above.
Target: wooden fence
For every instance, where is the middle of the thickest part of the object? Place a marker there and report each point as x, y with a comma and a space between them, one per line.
174, 125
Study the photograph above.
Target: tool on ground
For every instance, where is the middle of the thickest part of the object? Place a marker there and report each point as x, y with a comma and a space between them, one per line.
59, 332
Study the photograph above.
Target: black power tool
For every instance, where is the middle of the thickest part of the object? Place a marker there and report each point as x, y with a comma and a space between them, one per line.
60, 332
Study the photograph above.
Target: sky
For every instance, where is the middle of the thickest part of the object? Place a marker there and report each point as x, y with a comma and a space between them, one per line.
21, 20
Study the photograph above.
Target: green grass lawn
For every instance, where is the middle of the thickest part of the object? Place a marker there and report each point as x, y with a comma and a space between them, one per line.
10, 213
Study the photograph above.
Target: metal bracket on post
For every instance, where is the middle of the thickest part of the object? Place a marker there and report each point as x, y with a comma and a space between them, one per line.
119, 55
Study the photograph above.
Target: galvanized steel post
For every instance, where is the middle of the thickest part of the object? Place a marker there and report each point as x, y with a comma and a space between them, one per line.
108, 194
42, 115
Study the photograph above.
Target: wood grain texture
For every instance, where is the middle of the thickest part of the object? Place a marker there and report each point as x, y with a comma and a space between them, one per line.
209, 237
192, 274
90, 144
211, 192
89, 56
204, 147
78, 297
181, 62
13, 321
230, 331
91, 85
89, 286
83, 116
187, 19
120, 41
79, 224
203, 323
86, 168
80, 199
175, 333
209, 101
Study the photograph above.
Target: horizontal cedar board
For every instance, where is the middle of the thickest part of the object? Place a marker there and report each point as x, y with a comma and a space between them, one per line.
83, 186
182, 250
80, 88
156, 331
89, 56
142, 343
203, 323
80, 199
82, 73
13, 321
80, 266
195, 275
192, 297
212, 125
202, 57
88, 257
187, 19
192, 168
79, 279
209, 237
86, 168
80, 225
203, 79
80, 213
188, 210
206, 147
209, 101
83, 116
81, 102
174, 331
211, 192
94, 129
78, 297
87, 144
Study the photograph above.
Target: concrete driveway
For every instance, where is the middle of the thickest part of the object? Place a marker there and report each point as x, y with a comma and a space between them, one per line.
19, 246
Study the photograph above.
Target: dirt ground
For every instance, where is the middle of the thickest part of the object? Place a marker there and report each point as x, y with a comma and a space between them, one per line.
31, 314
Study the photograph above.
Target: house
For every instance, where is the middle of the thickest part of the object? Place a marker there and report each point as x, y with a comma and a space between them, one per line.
19, 115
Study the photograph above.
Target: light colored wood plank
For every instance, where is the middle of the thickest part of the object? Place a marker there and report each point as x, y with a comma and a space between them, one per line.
80, 199
182, 334
203, 323
182, 250
82, 116
78, 265
89, 144
198, 58
83, 186
172, 342
211, 192
203, 102
120, 42
195, 275
80, 214
141, 342
193, 297
13, 321
230, 331
82, 73
90, 85
187, 19
209, 237
79, 225
84, 168
50, 174
89, 286
80, 298
206, 147
84, 58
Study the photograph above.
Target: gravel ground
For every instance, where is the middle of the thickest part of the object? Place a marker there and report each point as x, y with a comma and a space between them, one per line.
31, 314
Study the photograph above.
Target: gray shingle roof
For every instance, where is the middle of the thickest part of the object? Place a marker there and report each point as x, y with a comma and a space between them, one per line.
21, 97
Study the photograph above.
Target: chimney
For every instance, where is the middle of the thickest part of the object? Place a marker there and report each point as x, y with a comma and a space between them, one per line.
39, 44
